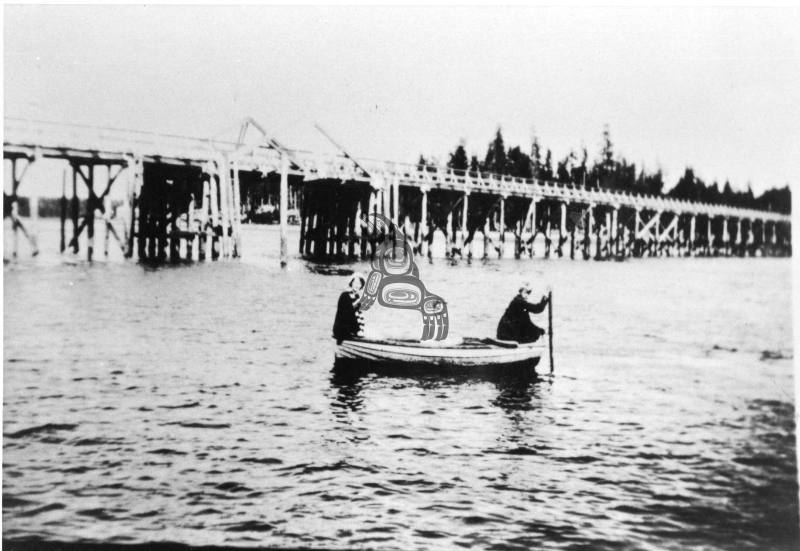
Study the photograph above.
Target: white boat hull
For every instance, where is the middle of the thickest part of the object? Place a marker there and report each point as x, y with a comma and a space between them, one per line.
438, 355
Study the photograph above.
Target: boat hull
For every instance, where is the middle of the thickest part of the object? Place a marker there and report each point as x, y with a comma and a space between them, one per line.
464, 356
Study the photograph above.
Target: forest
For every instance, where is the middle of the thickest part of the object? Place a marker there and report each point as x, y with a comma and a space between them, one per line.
610, 171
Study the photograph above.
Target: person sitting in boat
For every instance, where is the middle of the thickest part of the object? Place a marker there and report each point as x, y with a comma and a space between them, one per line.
515, 325
349, 320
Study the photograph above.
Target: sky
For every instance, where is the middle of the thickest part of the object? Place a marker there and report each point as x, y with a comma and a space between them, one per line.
711, 88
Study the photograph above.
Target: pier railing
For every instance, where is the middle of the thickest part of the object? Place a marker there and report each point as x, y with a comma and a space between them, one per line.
427, 176
64, 140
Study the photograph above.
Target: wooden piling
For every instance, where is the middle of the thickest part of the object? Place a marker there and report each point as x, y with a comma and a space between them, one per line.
449, 236
284, 205
237, 210
90, 206
395, 200
374, 234
464, 212
303, 224
572, 243
75, 206
597, 239
202, 224
136, 228
223, 172
709, 236
232, 209
63, 211
424, 223
548, 241
33, 230
533, 222
587, 233
613, 249
501, 249
739, 242
216, 230
352, 231
106, 224
14, 208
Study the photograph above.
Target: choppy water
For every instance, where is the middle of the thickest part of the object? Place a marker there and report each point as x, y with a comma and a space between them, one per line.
197, 404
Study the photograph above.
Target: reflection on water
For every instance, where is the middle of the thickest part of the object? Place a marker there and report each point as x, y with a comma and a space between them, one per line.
516, 391
197, 404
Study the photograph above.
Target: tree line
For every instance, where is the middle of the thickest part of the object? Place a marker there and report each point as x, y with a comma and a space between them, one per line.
609, 171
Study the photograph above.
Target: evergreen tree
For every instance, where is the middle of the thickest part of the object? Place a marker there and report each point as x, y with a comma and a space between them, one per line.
654, 183
685, 188
711, 194
727, 196
474, 165
458, 159
518, 163
496, 155
563, 168
776, 200
578, 173
623, 176
748, 200
536, 158
607, 159
610, 172
546, 171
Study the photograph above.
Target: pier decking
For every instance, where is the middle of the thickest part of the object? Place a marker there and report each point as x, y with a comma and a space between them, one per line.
183, 200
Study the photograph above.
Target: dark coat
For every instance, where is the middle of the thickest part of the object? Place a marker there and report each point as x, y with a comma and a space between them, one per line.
515, 325
347, 323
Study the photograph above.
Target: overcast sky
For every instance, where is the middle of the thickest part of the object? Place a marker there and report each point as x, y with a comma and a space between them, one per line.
716, 89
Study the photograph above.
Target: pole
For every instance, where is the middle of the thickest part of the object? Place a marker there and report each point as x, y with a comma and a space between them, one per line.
63, 209
533, 223
395, 200
106, 223
236, 211
464, 214
550, 327
423, 222
284, 201
502, 227
90, 206
134, 188
74, 203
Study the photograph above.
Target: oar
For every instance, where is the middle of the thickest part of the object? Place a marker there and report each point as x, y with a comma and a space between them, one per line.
550, 326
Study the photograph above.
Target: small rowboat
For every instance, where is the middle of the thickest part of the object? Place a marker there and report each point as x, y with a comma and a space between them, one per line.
468, 353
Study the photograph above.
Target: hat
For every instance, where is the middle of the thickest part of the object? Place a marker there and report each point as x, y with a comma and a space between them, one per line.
357, 276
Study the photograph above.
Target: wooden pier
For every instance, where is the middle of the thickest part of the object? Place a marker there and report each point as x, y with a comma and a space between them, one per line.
184, 199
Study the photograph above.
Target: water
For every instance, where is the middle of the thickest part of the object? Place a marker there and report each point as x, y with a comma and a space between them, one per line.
197, 404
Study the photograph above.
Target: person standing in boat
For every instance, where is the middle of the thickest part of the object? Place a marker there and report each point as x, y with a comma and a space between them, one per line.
516, 325
349, 320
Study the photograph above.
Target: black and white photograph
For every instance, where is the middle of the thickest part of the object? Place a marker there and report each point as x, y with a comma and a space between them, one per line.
399, 277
